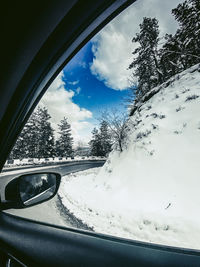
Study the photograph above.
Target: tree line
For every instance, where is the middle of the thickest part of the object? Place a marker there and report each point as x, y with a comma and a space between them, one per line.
154, 63
37, 139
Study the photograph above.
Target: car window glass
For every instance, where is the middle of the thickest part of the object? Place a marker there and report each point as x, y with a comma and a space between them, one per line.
121, 124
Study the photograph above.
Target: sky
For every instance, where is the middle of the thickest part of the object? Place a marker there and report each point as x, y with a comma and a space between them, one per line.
97, 77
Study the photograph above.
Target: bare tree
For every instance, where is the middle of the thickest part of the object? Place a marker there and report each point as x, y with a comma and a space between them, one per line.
117, 125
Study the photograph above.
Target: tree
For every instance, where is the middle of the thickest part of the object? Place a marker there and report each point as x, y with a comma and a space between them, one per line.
95, 143
105, 138
182, 50
46, 143
116, 123
26, 145
101, 143
32, 135
170, 60
65, 140
187, 14
20, 149
37, 137
179, 52
146, 63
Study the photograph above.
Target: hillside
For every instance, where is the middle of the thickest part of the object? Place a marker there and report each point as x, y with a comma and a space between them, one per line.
150, 191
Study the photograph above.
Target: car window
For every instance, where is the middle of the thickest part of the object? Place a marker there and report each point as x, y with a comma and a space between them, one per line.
121, 124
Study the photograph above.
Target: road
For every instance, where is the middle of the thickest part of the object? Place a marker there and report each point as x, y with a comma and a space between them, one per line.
52, 211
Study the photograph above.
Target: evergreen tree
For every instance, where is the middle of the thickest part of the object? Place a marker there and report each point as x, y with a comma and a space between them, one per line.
105, 138
187, 14
36, 139
95, 143
101, 143
33, 134
46, 144
19, 150
146, 63
182, 50
170, 60
26, 145
65, 140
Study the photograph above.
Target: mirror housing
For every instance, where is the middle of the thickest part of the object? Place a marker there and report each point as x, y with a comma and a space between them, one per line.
30, 189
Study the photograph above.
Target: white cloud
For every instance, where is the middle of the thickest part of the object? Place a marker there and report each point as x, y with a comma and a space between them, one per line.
112, 47
74, 82
60, 104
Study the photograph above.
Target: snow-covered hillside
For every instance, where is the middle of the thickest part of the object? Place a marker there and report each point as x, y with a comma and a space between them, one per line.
150, 191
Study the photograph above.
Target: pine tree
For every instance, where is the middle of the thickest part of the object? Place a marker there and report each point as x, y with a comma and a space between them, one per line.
105, 138
33, 135
26, 145
65, 140
101, 143
187, 14
95, 143
146, 64
46, 145
170, 60
19, 150
36, 139
182, 50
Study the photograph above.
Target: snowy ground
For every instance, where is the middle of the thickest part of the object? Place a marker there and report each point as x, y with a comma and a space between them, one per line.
45, 212
150, 191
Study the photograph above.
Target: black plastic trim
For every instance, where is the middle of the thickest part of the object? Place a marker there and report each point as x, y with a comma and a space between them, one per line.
40, 244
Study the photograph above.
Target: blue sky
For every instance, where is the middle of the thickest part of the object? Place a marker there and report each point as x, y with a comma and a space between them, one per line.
81, 95
90, 92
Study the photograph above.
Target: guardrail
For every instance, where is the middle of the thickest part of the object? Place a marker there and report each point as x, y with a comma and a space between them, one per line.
50, 163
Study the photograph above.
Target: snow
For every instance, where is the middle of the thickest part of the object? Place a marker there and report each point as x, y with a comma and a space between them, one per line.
46, 212
150, 191
30, 161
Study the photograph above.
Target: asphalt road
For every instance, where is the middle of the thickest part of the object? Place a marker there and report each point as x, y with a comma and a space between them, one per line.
52, 211
63, 169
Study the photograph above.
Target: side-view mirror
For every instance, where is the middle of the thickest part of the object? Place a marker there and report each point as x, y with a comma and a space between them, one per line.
30, 189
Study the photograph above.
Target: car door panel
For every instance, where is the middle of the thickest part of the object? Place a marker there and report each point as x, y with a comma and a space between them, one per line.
40, 244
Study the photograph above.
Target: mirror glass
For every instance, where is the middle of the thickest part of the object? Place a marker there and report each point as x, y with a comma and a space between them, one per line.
35, 188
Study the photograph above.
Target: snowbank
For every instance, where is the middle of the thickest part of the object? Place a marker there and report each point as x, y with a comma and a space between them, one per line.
150, 191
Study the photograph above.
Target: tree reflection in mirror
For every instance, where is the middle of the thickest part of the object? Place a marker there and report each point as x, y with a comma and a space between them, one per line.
34, 188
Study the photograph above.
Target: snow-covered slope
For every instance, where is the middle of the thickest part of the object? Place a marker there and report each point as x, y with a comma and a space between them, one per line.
150, 191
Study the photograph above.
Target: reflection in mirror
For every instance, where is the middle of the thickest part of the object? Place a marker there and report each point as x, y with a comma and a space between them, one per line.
34, 188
